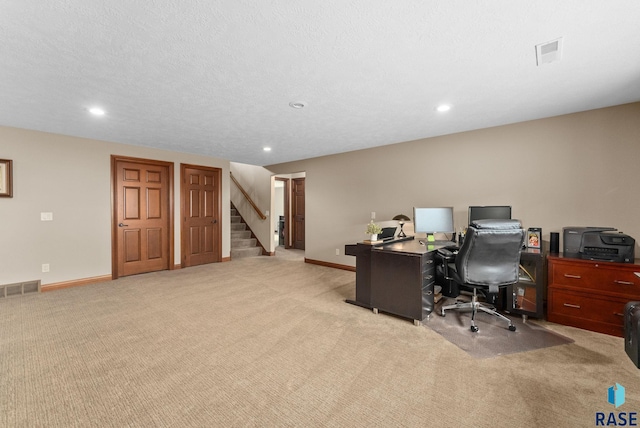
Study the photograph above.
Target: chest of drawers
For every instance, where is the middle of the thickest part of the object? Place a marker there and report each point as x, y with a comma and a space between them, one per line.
591, 294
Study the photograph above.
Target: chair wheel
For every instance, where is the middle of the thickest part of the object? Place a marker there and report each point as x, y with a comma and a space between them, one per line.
474, 329
512, 328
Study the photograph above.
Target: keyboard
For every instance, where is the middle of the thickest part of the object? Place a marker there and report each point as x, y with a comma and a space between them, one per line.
448, 245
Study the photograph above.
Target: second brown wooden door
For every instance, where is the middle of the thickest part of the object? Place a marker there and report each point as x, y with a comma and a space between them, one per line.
201, 217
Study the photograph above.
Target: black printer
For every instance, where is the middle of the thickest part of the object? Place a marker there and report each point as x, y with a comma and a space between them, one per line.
598, 243
608, 246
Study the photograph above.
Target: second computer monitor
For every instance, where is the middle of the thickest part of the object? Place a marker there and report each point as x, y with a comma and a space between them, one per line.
498, 212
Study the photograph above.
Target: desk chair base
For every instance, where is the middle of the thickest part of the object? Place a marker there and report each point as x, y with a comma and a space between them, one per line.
476, 306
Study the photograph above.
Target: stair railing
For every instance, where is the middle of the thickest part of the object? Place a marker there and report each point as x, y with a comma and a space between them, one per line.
248, 198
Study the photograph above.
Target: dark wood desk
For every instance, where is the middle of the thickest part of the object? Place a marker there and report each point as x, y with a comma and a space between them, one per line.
396, 277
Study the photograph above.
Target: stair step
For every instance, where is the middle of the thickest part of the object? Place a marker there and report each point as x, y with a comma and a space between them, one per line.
238, 253
243, 243
240, 234
238, 227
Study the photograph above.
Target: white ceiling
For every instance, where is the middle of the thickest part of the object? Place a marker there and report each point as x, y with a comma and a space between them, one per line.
216, 77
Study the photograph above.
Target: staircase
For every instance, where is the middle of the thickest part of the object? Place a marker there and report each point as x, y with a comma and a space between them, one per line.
242, 243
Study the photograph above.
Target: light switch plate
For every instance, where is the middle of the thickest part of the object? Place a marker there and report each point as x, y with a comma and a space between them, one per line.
46, 216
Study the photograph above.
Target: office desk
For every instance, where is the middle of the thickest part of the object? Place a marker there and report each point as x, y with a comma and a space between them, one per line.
396, 277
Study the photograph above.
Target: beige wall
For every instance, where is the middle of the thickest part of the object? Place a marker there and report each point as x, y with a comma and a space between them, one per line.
70, 177
573, 170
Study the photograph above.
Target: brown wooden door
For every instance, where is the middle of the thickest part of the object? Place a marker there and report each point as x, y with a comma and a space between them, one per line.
286, 212
297, 213
143, 216
201, 216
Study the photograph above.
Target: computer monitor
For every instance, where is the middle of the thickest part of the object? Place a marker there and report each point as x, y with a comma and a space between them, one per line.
498, 212
433, 220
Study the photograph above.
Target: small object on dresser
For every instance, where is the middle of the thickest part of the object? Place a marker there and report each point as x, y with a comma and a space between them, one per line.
534, 237
554, 242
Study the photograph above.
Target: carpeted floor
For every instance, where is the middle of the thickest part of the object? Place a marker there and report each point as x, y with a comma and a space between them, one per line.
269, 341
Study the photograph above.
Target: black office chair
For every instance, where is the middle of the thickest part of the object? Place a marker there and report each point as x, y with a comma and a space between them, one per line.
488, 260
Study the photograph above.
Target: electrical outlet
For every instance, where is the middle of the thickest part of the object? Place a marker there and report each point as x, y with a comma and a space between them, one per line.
337, 251
46, 216
373, 215
45, 267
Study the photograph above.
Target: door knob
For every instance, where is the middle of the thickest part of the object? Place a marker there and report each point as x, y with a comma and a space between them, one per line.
214, 221
123, 225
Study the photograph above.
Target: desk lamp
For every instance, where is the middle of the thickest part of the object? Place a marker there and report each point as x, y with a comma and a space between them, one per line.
401, 218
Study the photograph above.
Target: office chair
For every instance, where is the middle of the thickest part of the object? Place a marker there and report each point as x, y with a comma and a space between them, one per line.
487, 261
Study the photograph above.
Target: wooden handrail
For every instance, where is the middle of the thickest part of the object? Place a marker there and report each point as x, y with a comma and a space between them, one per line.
248, 198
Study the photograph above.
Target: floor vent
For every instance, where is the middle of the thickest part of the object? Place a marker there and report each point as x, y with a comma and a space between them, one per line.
19, 288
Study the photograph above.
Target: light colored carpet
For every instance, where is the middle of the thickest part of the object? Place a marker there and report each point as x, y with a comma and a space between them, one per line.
269, 341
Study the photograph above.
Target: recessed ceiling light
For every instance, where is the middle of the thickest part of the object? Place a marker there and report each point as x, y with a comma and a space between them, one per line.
444, 107
297, 104
96, 111
266, 149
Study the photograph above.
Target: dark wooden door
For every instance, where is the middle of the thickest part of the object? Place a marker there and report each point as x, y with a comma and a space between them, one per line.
297, 213
201, 216
142, 216
286, 212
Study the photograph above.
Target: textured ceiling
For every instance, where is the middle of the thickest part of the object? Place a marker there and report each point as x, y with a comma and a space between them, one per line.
216, 77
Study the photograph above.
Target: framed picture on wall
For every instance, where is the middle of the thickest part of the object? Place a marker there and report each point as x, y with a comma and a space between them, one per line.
534, 237
6, 182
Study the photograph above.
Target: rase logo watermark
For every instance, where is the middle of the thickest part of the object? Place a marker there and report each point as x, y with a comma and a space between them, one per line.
615, 397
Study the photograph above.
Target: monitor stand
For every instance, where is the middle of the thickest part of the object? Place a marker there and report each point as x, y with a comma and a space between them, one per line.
430, 240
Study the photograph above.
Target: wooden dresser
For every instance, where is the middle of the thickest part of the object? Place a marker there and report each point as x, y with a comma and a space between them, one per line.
591, 294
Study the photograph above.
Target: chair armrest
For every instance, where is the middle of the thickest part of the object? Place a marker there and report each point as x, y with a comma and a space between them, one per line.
445, 255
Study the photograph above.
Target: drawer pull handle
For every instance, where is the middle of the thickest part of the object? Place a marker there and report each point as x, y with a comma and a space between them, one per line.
566, 275
429, 261
623, 282
569, 305
618, 314
428, 277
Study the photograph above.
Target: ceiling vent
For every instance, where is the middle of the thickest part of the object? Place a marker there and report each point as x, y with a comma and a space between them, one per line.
549, 52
